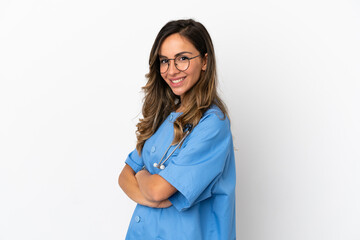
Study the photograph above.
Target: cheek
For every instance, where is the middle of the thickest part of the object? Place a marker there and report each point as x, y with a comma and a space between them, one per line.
195, 68
195, 74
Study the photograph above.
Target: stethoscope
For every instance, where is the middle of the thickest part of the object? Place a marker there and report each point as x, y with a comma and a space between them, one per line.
160, 165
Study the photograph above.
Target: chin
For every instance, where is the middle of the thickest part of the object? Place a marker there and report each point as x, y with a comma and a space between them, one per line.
178, 93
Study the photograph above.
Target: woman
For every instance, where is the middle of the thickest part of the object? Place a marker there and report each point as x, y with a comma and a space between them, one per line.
182, 172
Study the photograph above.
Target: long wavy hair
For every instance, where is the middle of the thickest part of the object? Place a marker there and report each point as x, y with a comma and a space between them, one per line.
160, 101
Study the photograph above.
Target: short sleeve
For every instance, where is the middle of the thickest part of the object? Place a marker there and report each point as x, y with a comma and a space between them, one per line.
135, 161
200, 163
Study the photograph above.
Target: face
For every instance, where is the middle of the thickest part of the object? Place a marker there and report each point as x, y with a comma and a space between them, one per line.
181, 81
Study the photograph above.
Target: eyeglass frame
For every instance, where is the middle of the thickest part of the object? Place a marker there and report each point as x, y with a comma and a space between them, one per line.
176, 64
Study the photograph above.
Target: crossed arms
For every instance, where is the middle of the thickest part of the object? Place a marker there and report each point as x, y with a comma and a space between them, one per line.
146, 189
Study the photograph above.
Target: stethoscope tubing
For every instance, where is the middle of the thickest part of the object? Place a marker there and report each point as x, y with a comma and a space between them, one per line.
161, 165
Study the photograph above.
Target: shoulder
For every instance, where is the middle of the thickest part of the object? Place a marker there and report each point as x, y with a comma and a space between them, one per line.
213, 123
215, 117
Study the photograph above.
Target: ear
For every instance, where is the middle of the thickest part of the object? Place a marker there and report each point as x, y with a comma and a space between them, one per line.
204, 62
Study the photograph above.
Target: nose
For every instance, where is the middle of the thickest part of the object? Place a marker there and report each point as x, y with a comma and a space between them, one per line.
172, 68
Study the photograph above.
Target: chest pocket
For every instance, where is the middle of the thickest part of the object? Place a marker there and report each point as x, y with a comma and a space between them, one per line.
175, 150
172, 152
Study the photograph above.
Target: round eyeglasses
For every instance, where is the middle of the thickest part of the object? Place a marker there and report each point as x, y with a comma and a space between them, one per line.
182, 63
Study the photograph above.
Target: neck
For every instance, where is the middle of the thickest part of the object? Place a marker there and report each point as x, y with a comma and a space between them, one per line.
182, 104
180, 109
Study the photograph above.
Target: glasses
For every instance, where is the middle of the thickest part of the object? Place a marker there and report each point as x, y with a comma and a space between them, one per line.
182, 63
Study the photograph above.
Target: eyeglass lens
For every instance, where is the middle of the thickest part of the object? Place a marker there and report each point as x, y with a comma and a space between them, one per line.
181, 63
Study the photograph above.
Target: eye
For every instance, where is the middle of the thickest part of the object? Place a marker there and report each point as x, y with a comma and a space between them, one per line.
182, 58
164, 61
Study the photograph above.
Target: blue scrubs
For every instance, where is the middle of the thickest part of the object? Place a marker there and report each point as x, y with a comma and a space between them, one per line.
203, 172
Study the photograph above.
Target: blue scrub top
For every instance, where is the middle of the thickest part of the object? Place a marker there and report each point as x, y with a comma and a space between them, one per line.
203, 172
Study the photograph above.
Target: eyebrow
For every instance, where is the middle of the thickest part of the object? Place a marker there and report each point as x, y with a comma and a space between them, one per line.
180, 53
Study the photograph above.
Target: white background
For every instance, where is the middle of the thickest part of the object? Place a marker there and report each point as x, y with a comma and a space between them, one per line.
70, 96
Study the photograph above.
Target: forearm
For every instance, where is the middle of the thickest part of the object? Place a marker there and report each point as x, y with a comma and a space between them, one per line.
144, 181
153, 186
129, 185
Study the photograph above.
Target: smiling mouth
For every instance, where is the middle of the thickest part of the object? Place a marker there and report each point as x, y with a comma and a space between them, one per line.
178, 80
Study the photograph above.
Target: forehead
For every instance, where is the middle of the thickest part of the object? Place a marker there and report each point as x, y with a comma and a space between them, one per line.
174, 44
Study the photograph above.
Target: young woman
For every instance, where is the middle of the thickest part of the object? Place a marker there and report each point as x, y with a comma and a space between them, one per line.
182, 172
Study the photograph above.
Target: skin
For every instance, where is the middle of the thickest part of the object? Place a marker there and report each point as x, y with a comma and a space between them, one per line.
153, 190
171, 47
130, 186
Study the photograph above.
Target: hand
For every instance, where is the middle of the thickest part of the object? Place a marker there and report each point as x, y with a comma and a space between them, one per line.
142, 173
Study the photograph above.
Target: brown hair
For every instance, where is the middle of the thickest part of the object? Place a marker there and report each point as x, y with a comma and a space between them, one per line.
160, 101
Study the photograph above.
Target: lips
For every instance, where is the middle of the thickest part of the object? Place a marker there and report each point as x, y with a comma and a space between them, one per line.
177, 80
